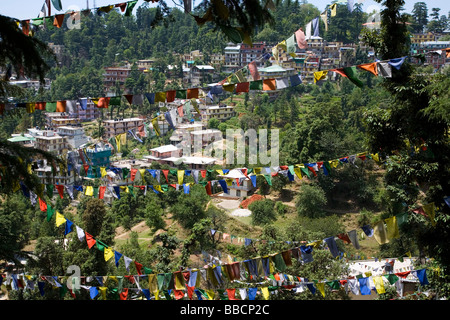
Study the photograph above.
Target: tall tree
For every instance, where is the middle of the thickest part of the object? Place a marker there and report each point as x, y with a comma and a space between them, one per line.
414, 130
420, 15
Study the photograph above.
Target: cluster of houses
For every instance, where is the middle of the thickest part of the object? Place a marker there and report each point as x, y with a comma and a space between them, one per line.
64, 134
199, 69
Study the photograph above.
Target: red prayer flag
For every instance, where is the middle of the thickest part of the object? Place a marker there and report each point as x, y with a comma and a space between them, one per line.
166, 172
208, 188
170, 95
190, 291
123, 295
129, 98
138, 267
42, 205
101, 192
231, 294
344, 237
203, 173
103, 102
90, 240
242, 87
133, 174
40, 105
60, 189
179, 294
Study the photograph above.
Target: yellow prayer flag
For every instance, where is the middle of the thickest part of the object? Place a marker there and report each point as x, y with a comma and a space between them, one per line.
298, 172
321, 287
210, 294
157, 187
156, 126
142, 172
333, 9
325, 20
320, 75
60, 219
89, 191
220, 172
392, 227
379, 233
379, 285
265, 293
108, 253
282, 45
103, 171
152, 283
123, 138
180, 174
429, 210
375, 157
118, 142
103, 292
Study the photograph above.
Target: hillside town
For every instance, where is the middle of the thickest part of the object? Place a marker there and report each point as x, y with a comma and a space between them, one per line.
282, 151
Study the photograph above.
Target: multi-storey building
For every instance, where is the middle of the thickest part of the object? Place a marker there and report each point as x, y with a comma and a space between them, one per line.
252, 53
118, 126
220, 112
75, 136
232, 55
51, 142
217, 60
87, 111
115, 75
200, 74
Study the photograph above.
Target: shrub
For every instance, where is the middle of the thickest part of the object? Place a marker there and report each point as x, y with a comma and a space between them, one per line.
311, 201
262, 212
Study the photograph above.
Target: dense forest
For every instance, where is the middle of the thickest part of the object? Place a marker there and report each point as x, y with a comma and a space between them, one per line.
317, 122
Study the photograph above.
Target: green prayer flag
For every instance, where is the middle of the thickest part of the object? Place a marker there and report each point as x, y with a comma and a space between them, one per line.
50, 107
37, 21
95, 192
100, 245
147, 270
352, 75
130, 7
50, 212
268, 179
256, 85
279, 262
125, 172
49, 188
167, 295
160, 280
180, 94
290, 44
130, 188
305, 171
334, 285
391, 277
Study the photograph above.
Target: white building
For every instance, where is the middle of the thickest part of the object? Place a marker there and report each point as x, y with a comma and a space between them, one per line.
75, 136
239, 185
